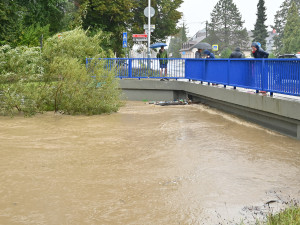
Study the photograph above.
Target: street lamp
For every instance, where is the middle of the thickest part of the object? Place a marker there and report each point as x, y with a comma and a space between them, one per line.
149, 30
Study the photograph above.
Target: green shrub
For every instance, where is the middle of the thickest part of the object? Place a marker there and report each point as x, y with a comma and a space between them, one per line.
20, 63
289, 216
225, 53
31, 35
76, 44
57, 79
272, 56
77, 92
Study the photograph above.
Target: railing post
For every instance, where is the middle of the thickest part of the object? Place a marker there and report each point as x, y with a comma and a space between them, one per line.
228, 72
204, 71
185, 75
263, 74
129, 68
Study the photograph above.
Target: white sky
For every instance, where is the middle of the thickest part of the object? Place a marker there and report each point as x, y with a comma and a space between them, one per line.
196, 12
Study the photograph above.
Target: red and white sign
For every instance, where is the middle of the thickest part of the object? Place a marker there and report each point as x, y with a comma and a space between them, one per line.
139, 35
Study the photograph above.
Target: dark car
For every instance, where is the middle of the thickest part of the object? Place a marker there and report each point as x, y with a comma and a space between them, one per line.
287, 56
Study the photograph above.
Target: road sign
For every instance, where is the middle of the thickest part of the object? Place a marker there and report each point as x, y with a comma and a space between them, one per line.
139, 35
124, 39
215, 47
152, 26
146, 11
146, 31
124, 36
140, 39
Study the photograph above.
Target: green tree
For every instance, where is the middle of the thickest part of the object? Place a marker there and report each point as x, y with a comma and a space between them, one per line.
43, 12
291, 37
226, 26
280, 20
31, 36
10, 22
177, 41
109, 16
260, 32
128, 15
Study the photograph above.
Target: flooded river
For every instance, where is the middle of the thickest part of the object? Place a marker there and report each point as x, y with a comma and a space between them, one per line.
146, 164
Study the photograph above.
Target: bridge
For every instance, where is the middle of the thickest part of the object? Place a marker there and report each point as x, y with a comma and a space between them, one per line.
230, 85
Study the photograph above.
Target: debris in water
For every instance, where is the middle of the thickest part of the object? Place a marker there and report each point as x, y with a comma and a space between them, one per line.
177, 102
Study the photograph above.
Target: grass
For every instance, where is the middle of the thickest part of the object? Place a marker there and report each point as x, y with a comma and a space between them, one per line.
290, 216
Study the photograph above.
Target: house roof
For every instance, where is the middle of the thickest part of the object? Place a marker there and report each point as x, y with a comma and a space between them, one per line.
198, 37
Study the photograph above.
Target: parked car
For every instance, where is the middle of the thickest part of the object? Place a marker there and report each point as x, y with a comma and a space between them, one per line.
290, 55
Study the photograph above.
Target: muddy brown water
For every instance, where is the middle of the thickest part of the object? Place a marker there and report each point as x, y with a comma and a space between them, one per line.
145, 164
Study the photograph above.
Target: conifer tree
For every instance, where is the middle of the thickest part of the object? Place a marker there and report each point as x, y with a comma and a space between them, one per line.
226, 26
260, 32
291, 37
279, 23
177, 41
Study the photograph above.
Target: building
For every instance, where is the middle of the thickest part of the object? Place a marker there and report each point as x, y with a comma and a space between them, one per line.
188, 50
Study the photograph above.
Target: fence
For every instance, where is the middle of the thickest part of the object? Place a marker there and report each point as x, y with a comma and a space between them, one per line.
271, 75
144, 67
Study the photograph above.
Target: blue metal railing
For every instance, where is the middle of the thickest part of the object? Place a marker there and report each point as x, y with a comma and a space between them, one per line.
144, 67
271, 75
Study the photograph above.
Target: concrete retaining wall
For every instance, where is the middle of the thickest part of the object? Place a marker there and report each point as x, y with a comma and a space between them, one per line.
277, 114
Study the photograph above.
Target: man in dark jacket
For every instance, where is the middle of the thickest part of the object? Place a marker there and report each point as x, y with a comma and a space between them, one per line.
198, 54
258, 52
209, 54
237, 53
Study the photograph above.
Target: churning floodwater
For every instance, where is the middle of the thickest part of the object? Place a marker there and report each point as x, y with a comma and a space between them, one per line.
146, 164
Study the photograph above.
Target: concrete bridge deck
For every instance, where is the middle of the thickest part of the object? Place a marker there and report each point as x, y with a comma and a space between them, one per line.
279, 114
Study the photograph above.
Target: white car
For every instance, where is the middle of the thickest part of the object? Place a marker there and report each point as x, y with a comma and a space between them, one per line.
287, 56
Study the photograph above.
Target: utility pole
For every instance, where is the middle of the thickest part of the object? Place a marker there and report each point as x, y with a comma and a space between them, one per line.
149, 29
206, 27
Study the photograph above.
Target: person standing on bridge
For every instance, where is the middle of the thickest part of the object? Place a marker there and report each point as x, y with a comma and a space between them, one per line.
198, 54
258, 52
209, 55
163, 62
236, 54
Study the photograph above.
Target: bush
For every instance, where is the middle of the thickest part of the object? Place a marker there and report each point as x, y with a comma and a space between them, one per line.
57, 79
272, 56
288, 216
225, 53
31, 35
76, 44
20, 63
77, 92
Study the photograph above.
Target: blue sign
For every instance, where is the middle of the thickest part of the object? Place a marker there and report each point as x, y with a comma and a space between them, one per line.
215, 47
124, 39
124, 44
124, 36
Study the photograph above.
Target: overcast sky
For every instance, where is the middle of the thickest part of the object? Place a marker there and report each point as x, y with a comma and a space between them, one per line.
195, 12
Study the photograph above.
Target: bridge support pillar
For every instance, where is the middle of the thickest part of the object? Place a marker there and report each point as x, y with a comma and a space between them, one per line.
298, 131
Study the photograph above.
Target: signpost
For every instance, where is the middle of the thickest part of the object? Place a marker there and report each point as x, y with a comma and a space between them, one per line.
152, 26
215, 47
146, 11
149, 12
139, 37
124, 39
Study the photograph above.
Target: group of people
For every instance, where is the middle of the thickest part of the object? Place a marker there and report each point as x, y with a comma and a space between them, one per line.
257, 52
